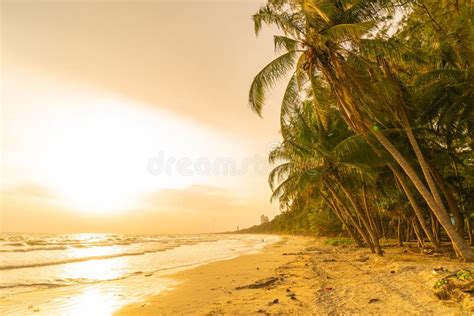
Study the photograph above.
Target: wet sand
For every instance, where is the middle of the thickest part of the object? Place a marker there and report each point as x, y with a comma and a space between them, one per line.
303, 276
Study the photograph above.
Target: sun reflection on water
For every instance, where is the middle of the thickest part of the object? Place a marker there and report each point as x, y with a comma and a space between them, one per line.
94, 301
93, 251
102, 268
96, 270
90, 237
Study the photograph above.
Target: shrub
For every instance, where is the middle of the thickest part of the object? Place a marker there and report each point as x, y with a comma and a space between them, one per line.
339, 241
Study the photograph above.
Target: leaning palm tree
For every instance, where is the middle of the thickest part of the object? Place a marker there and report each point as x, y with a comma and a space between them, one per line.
313, 156
328, 41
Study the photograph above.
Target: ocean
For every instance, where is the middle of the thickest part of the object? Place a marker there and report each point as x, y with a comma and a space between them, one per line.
96, 274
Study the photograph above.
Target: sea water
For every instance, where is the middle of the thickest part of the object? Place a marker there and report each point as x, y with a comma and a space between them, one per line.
96, 274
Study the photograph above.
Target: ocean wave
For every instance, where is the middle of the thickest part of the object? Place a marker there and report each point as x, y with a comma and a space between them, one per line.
15, 244
63, 282
42, 284
84, 281
34, 249
65, 244
24, 247
37, 242
82, 259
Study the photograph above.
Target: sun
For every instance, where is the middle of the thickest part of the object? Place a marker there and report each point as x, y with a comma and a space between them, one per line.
97, 162
100, 198
92, 149
95, 165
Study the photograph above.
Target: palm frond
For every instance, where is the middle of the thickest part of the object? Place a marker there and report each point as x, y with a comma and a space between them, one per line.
286, 44
355, 150
291, 100
279, 173
287, 22
267, 77
343, 32
282, 187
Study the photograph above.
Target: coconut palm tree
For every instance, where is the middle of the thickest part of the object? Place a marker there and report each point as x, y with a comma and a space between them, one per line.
330, 41
313, 160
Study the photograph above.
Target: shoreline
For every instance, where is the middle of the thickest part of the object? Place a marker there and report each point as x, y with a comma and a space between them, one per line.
301, 275
130, 278
211, 288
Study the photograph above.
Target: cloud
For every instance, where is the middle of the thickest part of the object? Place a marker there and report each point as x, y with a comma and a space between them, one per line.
30, 190
195, 209
196, 198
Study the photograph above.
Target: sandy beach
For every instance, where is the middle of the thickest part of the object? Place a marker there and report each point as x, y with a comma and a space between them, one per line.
266, 157
301, 275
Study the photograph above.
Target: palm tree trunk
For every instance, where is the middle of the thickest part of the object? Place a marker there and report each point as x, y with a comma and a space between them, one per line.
399, 231
351, 218
365, 222
368, 212
408, 231
377, 218
469, 231
452, 204
425, 168
435, 228
417, 232
384, 234
405, 124
414, 204
343, 221
439, 211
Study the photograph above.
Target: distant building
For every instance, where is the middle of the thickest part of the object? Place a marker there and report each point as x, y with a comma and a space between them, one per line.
263, 219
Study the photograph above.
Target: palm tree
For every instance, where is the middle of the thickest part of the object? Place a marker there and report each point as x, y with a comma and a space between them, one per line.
313, 157
329, 41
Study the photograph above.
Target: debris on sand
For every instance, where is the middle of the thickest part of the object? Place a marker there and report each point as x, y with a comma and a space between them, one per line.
440, 270
457, 285
291, 295
362, 258
293, 253
259, 284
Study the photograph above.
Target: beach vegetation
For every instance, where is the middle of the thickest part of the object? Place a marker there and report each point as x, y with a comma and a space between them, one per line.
376, 119
341, 241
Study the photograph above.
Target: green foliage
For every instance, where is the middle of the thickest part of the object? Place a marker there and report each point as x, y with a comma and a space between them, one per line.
338, 242
267, 77
454, 285
465, 275
324, 223
376, 88
440, 284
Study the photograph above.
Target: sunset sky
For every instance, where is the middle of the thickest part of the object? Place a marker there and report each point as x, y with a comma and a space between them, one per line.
132, 117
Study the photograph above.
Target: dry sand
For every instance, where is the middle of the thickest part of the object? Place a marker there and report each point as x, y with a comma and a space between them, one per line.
311, 278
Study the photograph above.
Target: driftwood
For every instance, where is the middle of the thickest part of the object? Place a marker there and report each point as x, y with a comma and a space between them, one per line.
456, 285
259, 284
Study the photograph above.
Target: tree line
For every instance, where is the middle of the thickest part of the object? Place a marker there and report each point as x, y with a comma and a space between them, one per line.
376, 118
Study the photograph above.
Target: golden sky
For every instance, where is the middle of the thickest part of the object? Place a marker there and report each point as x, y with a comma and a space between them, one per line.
132, 116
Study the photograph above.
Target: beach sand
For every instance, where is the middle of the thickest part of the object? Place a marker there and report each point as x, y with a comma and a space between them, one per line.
306, 277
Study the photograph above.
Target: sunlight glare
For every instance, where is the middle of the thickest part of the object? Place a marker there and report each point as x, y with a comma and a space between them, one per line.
93, 153
94, 301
